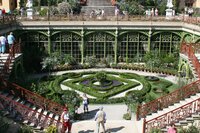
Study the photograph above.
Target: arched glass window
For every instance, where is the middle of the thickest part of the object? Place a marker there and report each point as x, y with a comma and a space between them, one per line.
100, 45
165, 42
67, 43
132, 47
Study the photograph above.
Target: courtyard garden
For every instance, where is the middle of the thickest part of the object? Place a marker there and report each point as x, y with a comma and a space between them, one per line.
101, 87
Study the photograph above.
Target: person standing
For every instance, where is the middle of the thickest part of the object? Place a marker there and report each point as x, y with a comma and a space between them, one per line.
3, 11
65, 119
116, 11
152, 12
11, 39
92, 14
100, 118
0, 12
3, 44
172, 128
102, 12
85, 103
156, 12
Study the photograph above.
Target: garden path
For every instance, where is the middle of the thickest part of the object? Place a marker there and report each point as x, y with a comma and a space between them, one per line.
171, 78
114, 124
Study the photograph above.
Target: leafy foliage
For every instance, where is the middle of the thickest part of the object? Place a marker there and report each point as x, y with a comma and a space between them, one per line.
133, 7
101, 76
25, 129
155, 130
127, 116
51, 129
64, 8
53, 10
70, 60
91, 61
75, 5
43, 12
50, 62
72, 99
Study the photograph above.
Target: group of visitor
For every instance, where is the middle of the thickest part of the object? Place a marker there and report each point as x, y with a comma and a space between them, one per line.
6, 42
97, 13
151, 13
100, 117
190, 11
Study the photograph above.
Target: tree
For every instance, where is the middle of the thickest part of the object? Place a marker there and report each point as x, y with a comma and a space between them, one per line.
50, 62
72, 100
64, 8
101, 77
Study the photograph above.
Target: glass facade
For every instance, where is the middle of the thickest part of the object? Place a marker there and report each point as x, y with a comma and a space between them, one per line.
130, 46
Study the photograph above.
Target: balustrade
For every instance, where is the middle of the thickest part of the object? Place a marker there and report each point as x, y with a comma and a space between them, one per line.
26, 113
7, 19
83, 17
182, 112
33, 98
175, 115
14, 49
189, 50
167, 100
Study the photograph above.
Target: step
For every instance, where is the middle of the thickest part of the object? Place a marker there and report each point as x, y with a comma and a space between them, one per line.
56, 118
189, 119
196, 116
49, 119
17, 99
32, 124
183, 122
42, 120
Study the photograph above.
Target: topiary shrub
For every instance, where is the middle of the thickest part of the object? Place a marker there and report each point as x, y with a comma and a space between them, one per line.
43, 12
101, 77
51, 129
127, 116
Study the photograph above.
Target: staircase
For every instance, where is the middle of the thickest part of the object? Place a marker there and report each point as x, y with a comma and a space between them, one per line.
98, 4
181, 106
23, 105
3, 59
27, 107
7, 60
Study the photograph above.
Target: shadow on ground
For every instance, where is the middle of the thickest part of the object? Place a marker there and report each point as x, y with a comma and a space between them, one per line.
90, 115
88, 131
116, 129
110, 130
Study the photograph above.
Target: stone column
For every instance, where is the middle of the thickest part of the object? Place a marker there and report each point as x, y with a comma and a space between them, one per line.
82, 46
49, 41
116, 45
149, 41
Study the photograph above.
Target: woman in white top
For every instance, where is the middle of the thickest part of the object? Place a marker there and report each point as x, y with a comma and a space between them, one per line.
65, 121
85, 103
